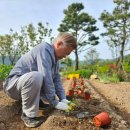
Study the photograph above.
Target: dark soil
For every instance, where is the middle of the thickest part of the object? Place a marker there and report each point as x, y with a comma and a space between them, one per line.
101, 100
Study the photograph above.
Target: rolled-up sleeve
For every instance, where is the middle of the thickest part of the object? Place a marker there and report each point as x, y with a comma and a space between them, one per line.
44, 64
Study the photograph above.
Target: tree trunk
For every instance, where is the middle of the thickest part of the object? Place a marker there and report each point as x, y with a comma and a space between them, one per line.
76, 60
120, 63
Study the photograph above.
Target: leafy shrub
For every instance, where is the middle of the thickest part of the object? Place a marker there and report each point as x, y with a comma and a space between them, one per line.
109, 79
5, 70
82, 73
126, 66
103, 69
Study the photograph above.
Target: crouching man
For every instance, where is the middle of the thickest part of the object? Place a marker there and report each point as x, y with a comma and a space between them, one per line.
36, 76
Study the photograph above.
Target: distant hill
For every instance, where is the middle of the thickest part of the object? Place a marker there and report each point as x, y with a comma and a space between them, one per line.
6, 61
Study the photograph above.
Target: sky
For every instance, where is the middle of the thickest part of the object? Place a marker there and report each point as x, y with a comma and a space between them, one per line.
17, 13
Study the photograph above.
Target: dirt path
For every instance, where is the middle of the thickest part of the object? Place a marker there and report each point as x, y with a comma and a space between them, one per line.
10, 111
117, 94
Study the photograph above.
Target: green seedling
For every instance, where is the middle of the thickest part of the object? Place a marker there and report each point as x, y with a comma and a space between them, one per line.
71, 107
71, 104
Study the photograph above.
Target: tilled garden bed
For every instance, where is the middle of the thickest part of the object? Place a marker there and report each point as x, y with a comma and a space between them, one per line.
59, 120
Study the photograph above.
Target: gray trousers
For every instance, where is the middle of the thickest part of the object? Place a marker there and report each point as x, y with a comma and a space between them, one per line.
27, 89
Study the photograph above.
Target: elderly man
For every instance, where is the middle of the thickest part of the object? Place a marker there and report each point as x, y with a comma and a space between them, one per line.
35, 76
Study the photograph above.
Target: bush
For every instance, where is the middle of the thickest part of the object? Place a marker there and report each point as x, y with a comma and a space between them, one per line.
109, 79
103, 69
82, 73
5, 70
127, 67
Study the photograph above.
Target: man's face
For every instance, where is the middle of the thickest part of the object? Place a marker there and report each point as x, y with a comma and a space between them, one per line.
62, 50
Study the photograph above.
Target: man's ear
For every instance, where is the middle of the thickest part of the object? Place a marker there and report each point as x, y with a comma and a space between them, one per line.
59, 44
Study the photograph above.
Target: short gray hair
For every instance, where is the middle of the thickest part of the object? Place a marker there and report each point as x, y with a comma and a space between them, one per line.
66, 38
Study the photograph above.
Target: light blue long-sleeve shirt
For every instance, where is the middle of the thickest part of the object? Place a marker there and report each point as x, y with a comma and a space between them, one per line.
42, 59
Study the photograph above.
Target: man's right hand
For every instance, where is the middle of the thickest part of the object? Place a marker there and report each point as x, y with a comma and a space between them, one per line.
62, 106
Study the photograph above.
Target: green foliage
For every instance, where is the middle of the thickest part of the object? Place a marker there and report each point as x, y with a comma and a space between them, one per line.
82, 73
126, 66
106, 71
5, 70
117, 28
69, 70
68, 61
103, 69
15, 44
81, 25
109, 79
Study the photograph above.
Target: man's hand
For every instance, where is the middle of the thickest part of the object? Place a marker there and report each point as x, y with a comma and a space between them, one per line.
69, 103
65, 101
62, 106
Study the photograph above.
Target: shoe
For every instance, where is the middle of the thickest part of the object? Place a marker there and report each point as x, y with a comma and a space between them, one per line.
43, 106
31, 122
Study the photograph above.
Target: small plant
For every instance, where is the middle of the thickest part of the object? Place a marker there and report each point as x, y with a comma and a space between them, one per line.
73, 85
72, 106
81, 82
86, 91
71, 92
79, 91
84, 87
87, 94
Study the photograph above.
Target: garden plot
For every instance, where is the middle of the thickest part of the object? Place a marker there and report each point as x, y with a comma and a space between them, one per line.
10, 112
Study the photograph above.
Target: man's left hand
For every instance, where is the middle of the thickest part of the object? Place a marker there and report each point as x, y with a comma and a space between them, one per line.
65, 101
70, 104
